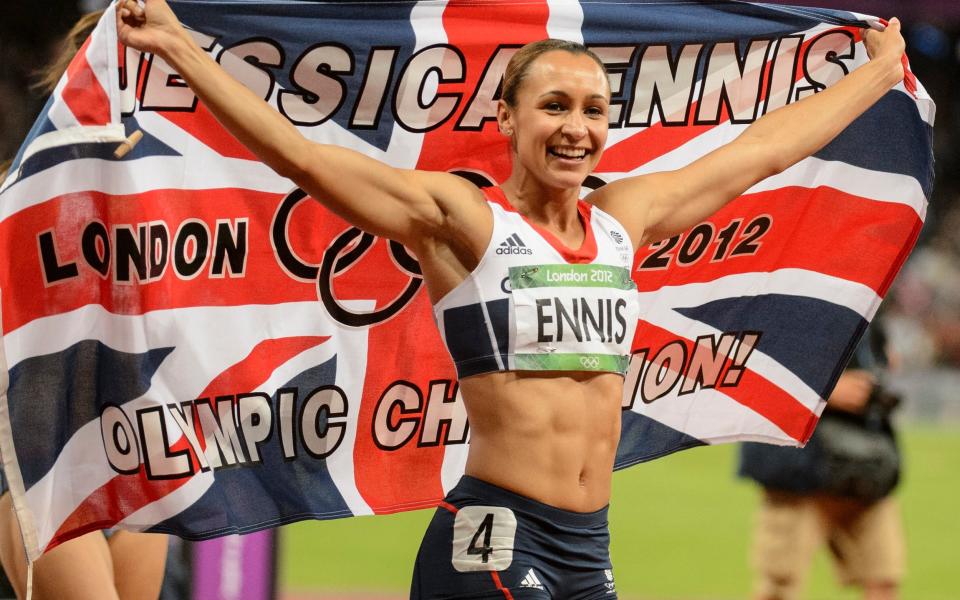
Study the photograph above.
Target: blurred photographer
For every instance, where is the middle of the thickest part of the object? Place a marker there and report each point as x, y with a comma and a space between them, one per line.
835, 491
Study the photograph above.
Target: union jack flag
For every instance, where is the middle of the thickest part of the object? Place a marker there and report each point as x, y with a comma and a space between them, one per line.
193, 346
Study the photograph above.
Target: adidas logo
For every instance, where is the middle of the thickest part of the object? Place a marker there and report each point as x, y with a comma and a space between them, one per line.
531, 581
513, 245
616, 236
611, 587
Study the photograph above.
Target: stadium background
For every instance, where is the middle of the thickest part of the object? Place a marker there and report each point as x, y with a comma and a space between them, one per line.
680, 524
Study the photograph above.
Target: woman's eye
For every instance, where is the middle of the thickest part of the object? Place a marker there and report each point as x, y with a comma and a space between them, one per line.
594, 111
554, 107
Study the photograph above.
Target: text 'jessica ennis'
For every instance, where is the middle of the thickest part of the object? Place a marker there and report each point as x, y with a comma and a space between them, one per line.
690, 84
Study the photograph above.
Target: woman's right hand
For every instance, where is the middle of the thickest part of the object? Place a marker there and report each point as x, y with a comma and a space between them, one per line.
149, 28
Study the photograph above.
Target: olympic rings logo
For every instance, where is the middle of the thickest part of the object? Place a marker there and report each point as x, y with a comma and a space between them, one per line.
589, 362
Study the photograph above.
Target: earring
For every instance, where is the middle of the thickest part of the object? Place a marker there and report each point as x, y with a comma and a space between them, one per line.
507, 132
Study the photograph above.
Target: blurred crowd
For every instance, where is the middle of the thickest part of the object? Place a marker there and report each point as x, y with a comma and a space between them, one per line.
923, 310
923, 307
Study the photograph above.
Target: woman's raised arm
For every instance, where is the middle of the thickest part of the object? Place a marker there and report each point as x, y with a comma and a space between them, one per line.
404, 205
661, 205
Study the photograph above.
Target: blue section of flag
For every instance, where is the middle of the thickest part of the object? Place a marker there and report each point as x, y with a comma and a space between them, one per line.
805, 335
643, 439
827, 15
271, 493
52, 396
148, 145
895, 117
51, 157
301, 26
703, 22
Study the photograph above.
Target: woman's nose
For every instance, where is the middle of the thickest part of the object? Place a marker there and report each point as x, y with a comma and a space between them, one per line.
574, 126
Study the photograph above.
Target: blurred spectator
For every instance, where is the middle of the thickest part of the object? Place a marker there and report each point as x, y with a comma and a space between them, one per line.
835, 492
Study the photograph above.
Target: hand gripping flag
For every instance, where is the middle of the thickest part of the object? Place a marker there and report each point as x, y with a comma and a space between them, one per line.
194, 346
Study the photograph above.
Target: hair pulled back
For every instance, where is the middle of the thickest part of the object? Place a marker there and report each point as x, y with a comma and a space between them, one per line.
48, 76
520, 63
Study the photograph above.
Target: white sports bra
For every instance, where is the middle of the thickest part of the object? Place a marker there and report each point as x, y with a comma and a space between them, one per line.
532, 304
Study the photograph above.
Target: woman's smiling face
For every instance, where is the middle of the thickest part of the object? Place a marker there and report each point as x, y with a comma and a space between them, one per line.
558, 125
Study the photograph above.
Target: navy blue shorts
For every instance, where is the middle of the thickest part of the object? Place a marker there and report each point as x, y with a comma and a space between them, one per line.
487, 542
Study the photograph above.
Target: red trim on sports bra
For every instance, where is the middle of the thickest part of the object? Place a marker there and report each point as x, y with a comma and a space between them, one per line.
448, 506
587, 251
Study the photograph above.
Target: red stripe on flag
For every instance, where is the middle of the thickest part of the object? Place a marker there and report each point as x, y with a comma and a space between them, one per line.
818, 229
83, 94
199, 122
648, 144
478, 30
385, 478
909, 79
752, 390
204, 127
125, 494
69, 220
404, 477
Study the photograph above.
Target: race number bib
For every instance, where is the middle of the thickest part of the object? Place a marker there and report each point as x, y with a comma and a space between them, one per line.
483, 538
573, 317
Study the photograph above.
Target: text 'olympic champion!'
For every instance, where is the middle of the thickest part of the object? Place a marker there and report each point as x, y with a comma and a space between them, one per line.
537, 338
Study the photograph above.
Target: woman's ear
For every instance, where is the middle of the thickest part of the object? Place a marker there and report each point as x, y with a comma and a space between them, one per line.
504, 118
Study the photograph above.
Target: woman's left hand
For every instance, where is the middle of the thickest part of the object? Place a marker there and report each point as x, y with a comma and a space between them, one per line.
886, 45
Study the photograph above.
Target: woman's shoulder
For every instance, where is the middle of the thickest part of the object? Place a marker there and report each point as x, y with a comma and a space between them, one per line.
627, 203
452, 191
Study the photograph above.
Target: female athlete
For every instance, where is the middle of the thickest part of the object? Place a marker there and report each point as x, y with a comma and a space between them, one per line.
543, 398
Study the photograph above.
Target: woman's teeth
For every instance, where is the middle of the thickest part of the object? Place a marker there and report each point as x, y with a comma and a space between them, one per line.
569, 152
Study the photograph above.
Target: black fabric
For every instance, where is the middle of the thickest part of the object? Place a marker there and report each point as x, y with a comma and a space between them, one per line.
858, 461
846, 456
467, 335
849, 455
